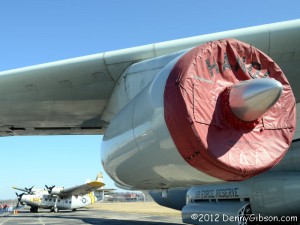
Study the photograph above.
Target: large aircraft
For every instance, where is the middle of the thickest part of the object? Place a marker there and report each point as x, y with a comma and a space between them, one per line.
206, 124
59, 198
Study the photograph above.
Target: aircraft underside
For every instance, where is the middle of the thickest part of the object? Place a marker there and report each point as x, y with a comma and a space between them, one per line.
272, 196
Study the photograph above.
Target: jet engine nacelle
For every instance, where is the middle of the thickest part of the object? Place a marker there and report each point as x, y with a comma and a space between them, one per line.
191, 124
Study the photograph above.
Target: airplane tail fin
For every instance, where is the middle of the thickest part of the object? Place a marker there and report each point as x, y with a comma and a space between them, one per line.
99, 177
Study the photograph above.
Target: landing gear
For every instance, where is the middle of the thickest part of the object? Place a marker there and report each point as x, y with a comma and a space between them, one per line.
73, 210
54, 209
244, 212
34, 209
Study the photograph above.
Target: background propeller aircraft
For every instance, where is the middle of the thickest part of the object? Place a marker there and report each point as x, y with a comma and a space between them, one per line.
57, 199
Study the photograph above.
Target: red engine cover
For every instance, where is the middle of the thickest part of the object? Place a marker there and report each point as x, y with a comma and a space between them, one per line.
200, 123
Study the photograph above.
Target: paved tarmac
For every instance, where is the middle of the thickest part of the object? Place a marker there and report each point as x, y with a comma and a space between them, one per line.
87, 216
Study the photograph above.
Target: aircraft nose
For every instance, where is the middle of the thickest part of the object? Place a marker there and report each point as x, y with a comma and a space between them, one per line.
250, 99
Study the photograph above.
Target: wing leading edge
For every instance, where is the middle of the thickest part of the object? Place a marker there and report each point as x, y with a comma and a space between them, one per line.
82, 189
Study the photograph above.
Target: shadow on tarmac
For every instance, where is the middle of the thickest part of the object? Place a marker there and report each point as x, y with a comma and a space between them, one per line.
99, 220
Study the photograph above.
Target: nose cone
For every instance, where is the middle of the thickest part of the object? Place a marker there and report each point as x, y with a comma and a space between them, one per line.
250, 99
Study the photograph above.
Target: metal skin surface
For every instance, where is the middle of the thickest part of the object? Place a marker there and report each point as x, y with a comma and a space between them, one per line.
272, 193
291, 161
249, 100
137, 150
133, 80
174, 198
71, 96
56, 191
268, 194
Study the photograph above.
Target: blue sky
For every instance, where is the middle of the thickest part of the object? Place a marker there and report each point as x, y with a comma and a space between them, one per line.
40, 31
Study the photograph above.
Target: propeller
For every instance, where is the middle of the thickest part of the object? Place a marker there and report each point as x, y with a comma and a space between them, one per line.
49, 188
19, 199
29, 190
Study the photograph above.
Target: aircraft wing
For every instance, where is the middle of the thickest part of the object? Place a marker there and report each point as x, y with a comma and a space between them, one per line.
82, 189
20, 189
71, 96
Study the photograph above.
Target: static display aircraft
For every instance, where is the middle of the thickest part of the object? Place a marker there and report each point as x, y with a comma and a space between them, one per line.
206, 124
56, 199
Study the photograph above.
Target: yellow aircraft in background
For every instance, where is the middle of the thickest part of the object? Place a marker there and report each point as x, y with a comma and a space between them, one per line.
59, 198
